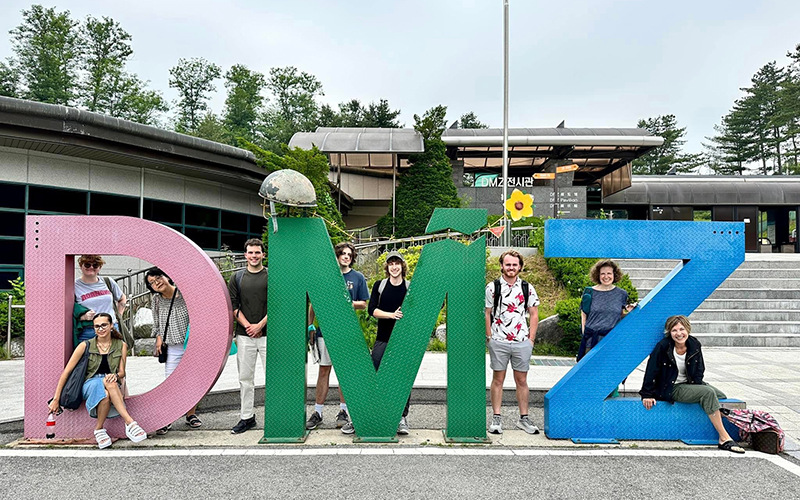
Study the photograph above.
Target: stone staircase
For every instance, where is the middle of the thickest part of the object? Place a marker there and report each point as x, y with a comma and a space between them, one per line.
757, 306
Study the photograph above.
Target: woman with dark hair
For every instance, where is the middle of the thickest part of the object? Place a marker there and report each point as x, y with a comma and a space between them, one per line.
93, 295
104, 374
602, 305
170, 327
675, 372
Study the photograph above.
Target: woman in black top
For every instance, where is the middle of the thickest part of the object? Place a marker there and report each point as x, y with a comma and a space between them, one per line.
384, 304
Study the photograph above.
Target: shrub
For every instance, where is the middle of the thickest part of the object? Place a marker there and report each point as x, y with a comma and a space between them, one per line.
569, 319
437, 345
17, 315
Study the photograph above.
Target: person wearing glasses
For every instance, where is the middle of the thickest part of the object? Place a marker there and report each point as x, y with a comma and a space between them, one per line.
95, 295
104, 375
170, 327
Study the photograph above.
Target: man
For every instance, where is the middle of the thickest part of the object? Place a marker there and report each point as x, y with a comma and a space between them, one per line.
248, 291
357, 286
509, 337
384, 304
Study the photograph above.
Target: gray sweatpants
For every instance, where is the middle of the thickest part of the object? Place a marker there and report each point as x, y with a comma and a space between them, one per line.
377, 355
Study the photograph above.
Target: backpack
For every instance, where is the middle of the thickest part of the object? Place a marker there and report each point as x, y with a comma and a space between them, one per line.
757, 427
525, 292
586, 300
382, 286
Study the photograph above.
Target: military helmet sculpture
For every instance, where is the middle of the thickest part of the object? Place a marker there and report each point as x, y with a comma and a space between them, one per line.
287, 187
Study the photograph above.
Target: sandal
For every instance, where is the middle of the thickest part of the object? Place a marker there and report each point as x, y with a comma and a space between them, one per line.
102, 438
135, 433
164, 430
731, 446
193, 421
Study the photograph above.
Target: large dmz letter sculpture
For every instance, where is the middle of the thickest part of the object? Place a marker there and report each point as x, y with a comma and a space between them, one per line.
52, 242
577, 406
302, 264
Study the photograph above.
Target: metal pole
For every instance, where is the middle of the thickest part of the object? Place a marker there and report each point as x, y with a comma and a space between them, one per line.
141, 195
8, 338
394, 189
507, 232
555, 194
339, 181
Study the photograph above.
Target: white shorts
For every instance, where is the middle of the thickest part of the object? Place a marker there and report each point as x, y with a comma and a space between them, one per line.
324, 357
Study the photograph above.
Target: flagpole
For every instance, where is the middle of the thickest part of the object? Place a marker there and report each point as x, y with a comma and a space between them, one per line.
507, 232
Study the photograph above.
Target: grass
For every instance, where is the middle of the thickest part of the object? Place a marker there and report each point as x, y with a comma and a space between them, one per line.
547, 349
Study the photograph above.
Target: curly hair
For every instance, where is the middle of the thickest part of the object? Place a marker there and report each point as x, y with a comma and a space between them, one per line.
594, 274
512, 253
339, 249
91, 259
674, 320
403, 265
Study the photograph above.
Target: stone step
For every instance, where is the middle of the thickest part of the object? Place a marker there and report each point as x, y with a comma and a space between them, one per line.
744, 293
747, 264
757, 304
659, 273
731, 315
752, 340
746, 327
769, 283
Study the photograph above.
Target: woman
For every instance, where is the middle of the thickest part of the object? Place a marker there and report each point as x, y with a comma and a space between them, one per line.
171, 314
602, 306
384, 304
104, 374
94, 295
675, 373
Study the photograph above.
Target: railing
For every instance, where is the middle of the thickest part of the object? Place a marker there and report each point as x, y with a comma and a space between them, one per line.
11, 306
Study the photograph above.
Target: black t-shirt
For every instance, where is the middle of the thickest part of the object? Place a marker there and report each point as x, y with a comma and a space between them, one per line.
390, 300
254, 297
103, 369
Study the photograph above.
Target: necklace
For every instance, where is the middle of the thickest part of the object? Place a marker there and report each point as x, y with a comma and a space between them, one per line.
104, 349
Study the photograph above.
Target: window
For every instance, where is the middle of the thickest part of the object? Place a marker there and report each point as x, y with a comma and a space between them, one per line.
12, 224
7, 275
200, 216
234, 241
56, 200
12, 196
204, 238
109, 204
163, 211
257, 225
233, 221
12, 251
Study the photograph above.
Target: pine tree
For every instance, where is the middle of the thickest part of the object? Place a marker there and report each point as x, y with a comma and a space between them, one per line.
669, 157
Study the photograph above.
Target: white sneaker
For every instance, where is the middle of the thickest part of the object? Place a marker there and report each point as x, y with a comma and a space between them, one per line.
496, 427
402, 427
526, 425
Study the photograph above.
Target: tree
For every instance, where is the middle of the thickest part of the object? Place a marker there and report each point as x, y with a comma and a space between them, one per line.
427, 184
130, 99
667, 158
381, 115
243, 105
470, 120
328, 117
353, 114
432, 123
789, 106
762, 107
107, 48
47, 47
211, 127
733, 147
9, 79
194, 79
294, 107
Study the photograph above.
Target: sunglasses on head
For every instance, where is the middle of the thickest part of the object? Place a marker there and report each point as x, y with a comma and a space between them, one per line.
88, 265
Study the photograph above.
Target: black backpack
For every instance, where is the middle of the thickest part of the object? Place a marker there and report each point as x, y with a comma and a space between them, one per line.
525, 292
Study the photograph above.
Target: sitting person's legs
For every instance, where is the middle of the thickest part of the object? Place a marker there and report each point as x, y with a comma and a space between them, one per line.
708, 397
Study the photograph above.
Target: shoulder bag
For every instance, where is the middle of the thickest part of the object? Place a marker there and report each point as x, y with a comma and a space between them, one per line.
162, 356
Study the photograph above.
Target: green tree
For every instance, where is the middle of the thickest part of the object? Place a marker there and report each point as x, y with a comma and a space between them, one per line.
353, 114
130, 99
669, 157
243, 105
9, 79
381, 115
212, 128
107, 48
328, 117
48, 49
789, 107
294, 107
733, 147
427, 184
470, 120
762, 109
194, 80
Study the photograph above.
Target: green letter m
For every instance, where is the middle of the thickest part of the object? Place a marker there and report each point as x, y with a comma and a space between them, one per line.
302, 263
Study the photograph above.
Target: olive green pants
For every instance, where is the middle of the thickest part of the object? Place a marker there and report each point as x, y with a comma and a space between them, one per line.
707, 395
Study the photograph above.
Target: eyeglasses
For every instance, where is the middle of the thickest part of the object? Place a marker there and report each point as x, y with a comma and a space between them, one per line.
156, 279
101, 326
87, 265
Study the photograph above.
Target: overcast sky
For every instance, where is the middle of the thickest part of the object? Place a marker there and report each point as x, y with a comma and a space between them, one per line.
592, 63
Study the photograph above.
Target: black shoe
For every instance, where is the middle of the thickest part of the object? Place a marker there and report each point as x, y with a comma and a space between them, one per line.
244, 425
313, 421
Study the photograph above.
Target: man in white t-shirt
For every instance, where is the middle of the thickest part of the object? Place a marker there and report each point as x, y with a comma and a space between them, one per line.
509, 336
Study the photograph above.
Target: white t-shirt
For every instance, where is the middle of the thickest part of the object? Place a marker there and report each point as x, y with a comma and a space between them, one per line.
97, 296
509, 325
680, 360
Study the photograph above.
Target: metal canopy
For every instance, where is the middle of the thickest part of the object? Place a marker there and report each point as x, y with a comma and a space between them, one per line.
596, 151
362, 147
702, 190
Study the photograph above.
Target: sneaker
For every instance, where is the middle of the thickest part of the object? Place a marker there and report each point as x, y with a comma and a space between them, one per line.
244, 425
402, 427
496, 427
526, 425
342, 419
313, 421
348, 428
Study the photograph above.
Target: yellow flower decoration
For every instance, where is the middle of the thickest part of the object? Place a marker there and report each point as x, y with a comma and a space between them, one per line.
519, 205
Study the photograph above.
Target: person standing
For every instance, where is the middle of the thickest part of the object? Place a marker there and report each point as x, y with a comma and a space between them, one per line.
510, 337
248, 291
96, 295
384, 304
357, 287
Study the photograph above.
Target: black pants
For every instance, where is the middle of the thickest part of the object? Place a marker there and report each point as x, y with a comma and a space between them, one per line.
377, 355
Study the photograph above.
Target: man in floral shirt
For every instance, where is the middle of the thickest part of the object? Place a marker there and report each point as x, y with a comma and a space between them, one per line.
509, 336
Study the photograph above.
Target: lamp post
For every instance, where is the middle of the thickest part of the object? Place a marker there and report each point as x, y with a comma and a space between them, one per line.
507, 232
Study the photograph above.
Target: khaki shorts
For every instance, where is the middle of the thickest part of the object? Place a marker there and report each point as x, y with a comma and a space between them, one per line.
519, 353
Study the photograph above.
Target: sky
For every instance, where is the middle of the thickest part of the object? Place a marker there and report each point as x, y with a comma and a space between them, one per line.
597, 63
